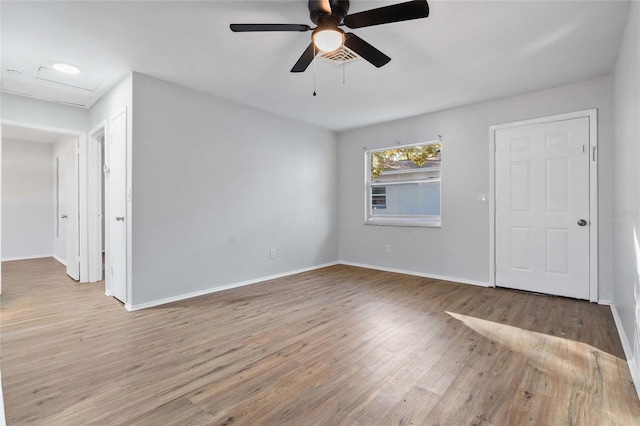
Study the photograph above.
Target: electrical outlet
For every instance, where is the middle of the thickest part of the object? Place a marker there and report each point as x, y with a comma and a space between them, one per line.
388, 248
272, 253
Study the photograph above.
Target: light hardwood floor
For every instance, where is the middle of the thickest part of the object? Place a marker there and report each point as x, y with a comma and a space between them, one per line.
340, 345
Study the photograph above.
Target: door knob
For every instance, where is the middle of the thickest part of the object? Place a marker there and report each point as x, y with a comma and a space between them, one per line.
120, 218
582, 222
64, 216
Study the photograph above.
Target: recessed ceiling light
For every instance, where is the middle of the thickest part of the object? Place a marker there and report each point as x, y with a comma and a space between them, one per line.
66, 68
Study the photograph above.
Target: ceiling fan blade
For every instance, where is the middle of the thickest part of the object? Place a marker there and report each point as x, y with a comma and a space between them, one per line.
243, 28
305, 59
384, 15
365, 50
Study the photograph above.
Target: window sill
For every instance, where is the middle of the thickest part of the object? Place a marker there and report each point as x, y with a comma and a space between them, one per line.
414, 222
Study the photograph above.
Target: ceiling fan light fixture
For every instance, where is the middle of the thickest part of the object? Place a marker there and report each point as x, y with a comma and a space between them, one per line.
66, 68
328, 40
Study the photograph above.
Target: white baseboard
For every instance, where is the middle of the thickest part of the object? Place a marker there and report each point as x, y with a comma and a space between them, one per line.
64, 262
635, 369
418, 274
35, 256
159, 302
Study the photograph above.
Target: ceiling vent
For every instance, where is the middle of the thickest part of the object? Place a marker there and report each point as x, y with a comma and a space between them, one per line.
341, 55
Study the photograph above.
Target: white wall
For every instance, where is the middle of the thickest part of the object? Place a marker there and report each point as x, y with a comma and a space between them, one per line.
27, 200
119, 97
626, 199
22, 109
460, 248
216, 185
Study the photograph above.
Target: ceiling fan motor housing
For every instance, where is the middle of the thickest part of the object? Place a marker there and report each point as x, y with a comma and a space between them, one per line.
321, 17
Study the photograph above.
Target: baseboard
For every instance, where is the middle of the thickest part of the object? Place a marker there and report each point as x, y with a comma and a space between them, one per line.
635, 374
2, 417
64, 262
418, 274
35, 256
222, 288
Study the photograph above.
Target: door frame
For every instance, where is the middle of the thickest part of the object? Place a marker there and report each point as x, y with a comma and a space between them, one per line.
95, 203
592, 115
93, 200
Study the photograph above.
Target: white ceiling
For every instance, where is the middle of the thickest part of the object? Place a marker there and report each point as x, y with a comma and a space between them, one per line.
465, 52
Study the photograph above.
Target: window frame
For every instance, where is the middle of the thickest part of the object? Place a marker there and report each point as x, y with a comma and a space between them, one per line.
428, 221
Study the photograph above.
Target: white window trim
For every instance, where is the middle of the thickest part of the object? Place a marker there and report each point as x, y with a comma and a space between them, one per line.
427, 221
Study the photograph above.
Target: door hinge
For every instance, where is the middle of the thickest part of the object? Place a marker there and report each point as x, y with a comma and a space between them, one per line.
593, 154
78, 259
494, 146
110, 138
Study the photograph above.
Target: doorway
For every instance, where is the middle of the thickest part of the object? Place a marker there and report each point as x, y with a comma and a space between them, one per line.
544, 222
108, 205
40, 195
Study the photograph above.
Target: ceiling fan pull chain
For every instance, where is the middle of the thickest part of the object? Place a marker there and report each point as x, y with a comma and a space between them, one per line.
314, 70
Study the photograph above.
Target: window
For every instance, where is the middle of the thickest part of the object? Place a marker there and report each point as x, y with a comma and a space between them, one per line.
403, 185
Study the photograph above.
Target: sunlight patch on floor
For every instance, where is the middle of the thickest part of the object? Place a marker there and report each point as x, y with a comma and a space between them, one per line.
562, 360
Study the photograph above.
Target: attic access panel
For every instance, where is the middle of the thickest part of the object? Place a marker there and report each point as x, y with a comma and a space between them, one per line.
69, 80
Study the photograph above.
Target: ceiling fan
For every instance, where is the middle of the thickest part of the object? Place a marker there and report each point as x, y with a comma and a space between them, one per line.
328, 15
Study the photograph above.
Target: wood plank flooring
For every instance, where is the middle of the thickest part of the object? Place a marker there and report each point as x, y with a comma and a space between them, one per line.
340, 345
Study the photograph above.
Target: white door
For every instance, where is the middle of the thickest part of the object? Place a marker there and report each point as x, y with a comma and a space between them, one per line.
62, 213
117, 140
542, 208
66, 241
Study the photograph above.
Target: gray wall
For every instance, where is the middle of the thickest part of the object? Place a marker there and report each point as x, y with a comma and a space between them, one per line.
459, 249
216, 185
27, 199
626, 176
